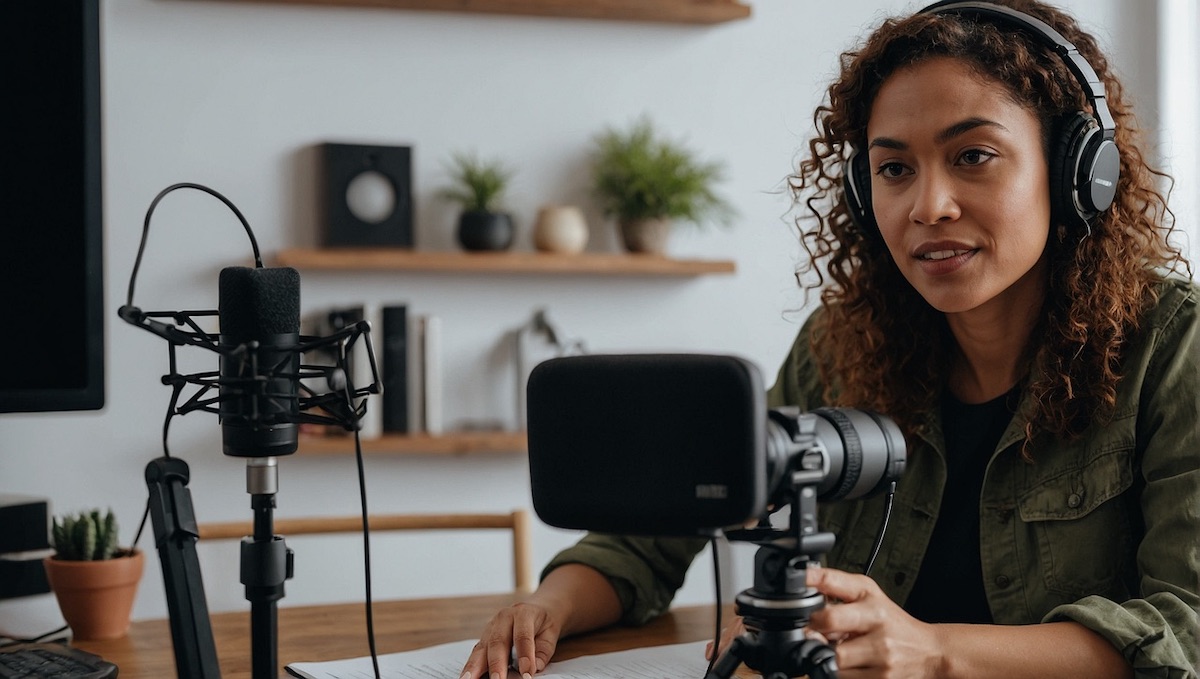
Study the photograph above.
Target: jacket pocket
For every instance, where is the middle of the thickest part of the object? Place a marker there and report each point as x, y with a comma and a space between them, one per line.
1081, 525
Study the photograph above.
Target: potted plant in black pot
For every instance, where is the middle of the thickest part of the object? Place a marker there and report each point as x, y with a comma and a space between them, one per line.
648, 182
93, 578
477, 187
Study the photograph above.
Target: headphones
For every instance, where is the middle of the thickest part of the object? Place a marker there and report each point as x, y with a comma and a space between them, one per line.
1084, 161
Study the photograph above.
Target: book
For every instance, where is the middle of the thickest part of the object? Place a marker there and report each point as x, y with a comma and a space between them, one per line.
431, 373
395, 369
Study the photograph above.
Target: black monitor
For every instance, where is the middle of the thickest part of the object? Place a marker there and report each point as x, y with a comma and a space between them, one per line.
51, 273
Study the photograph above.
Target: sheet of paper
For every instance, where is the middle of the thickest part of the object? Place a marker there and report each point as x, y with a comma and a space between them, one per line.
679, 661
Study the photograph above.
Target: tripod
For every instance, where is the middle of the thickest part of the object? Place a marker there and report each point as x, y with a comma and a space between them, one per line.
777, 608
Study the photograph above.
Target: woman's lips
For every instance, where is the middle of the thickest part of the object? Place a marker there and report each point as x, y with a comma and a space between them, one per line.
944, 260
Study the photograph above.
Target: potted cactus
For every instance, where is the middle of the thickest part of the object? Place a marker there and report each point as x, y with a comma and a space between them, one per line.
94, 579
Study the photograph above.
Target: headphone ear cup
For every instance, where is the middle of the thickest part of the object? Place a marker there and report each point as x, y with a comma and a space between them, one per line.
856, 185
1064, 149
1084, 168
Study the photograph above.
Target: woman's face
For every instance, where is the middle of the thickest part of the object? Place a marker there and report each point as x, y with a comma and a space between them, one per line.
960, 187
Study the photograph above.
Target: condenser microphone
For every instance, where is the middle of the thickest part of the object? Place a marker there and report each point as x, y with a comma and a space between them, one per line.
259, 381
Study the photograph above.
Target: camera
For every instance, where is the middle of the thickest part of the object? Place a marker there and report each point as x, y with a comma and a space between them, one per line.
684, 444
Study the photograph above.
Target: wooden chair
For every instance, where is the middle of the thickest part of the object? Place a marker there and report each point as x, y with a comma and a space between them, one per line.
516, 521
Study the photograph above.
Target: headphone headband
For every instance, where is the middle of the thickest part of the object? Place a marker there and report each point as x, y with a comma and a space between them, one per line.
1093, 87
1084, 161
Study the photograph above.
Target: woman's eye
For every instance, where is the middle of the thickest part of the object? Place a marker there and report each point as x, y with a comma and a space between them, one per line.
975, 157
890, 170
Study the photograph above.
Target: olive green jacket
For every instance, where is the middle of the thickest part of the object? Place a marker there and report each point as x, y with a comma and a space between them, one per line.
1104, 531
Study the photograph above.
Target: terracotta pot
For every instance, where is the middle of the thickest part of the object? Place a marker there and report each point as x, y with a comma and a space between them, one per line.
96, 597
647, 236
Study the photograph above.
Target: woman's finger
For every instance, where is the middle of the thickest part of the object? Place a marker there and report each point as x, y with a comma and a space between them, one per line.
840, 585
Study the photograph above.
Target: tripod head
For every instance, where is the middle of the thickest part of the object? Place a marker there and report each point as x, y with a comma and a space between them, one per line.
777, 608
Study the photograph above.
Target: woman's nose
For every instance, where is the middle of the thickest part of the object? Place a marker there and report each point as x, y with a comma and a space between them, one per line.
933, 199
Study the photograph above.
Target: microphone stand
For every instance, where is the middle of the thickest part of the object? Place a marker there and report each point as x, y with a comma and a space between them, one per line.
175, 535
266, 563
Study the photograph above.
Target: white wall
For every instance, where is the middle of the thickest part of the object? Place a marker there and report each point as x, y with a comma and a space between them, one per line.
234, 95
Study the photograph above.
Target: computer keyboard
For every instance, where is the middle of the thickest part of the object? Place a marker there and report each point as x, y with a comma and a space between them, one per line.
52, 661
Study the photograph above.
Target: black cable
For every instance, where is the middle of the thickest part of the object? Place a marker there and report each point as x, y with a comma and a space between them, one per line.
887, 515
717, 590
55, 635
137, 262
362, 495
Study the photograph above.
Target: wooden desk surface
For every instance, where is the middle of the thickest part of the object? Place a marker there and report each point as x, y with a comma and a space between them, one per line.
312, 633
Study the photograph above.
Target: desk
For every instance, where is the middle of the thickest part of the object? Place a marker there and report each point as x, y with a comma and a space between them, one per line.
311, 633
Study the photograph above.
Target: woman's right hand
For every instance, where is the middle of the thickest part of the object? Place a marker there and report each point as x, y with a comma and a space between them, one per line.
526, 631
572, 599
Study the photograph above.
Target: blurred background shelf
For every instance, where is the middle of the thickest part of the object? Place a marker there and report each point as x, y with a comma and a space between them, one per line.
398, 259
455, 443
668, 11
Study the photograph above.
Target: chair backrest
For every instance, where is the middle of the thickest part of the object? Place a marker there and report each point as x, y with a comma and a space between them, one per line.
516, 521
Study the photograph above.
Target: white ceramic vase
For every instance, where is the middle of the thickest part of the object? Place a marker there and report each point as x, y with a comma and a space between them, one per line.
560, 228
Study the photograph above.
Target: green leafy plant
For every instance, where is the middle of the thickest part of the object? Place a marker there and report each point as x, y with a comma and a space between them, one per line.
86, 536
478, 183
638, 174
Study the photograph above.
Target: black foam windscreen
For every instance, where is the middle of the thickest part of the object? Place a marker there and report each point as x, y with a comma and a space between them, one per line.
256, 303
653, 444
260, 330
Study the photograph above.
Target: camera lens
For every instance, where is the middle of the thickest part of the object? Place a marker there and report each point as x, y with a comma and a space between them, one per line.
857, 452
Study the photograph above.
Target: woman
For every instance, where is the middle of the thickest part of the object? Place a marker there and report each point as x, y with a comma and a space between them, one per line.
1039, 348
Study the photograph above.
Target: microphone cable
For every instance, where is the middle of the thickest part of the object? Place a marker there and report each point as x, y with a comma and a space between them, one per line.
887, 515
366, 521
716, 644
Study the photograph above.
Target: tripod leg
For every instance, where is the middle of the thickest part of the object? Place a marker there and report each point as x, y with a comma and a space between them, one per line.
817, 659
729, 660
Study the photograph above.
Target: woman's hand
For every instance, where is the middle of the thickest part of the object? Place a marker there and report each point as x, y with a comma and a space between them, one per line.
728, 634
572, 599
874, 637
526, 628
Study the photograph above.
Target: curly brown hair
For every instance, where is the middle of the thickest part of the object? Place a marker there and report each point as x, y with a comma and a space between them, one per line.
879, 344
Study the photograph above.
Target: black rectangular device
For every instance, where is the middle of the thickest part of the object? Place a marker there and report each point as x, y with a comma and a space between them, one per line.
647, 444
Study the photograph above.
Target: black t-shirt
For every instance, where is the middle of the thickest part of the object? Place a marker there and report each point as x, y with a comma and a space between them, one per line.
949, 587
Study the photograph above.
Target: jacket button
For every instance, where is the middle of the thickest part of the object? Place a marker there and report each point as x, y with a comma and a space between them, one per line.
1074, 500
1002, 581
1004, 515
899, 578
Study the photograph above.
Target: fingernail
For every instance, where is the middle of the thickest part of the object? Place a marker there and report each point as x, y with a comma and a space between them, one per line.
465, 675
541, 664
526, 676
495, 675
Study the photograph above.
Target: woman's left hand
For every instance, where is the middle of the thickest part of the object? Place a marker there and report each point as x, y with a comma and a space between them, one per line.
728, 634
874, 637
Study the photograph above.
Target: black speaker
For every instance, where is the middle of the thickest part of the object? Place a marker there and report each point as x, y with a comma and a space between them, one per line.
367, 195
1084, 160
395, 369
649, 444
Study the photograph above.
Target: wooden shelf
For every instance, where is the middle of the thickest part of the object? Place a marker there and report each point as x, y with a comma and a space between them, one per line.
396, 259
668, 11
459, 443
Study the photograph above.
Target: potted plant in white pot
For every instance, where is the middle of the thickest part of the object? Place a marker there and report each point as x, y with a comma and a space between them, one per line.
94, 579
648, 182
477, 186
